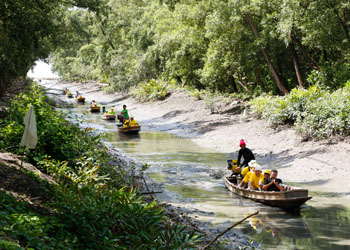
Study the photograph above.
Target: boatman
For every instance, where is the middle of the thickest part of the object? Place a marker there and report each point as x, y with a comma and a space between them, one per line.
246, 153
124, 115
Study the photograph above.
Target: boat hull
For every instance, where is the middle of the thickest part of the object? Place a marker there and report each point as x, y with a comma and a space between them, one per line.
287, 200
108, 117
94, 109
80, 99
129, 130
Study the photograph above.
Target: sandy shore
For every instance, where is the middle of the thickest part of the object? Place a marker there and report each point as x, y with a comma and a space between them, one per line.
319, 165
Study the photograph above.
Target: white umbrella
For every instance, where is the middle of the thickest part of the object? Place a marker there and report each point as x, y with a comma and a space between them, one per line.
30, 137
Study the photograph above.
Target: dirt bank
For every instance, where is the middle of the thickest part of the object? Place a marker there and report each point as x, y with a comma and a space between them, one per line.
321, 165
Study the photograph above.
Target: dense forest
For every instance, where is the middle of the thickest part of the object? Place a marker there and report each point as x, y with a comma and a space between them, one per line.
227, 46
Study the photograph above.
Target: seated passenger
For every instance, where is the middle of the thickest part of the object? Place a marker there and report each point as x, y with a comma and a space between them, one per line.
106, 113
247, 174
126, 123
247, 169
267, 174
112, 111
133, 122
93, 103
255, 178
273, 183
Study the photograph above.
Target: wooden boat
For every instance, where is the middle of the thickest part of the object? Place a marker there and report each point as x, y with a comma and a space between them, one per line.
108, 117
80, 99
130, 130
94, 109
291, 199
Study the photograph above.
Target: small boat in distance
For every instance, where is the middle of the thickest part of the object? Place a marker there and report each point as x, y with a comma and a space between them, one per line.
108, 117
290, 199
80, 99
129, 130
94, 109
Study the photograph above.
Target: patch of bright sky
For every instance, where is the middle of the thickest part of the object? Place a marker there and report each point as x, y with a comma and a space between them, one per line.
42, 70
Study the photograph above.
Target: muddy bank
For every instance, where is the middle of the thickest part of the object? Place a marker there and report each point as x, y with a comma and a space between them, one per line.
321, 165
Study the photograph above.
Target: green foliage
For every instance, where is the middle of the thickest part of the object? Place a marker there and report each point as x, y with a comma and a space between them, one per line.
150, 91
91, 219
206, 44
118, 219
27, 31
315, 112
22, 227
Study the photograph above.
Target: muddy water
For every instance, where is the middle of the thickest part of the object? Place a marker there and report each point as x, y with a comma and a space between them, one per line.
190, 177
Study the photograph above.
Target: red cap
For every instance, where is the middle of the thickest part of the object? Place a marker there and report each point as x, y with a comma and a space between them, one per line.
241, 143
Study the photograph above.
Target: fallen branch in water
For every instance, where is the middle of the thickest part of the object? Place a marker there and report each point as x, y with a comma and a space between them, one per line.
228, 229
147, 188
151, 193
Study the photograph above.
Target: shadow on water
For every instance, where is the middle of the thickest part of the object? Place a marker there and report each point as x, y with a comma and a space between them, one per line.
191, 178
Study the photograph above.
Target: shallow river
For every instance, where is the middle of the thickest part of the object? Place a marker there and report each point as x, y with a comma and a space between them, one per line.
192, 179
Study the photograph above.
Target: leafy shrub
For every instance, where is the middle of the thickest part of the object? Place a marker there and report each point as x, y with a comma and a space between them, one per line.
119, 219
315, 112
150, 91
23, 227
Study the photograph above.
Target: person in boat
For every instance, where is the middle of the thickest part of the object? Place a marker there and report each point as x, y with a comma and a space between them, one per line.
273, 183
112, 111
267, 174
123, 115
77, 94
103, 109
93, 103
255, 178
248, 171
248, 168
106, 113
232, 165
126, 123
246, 153
133, 122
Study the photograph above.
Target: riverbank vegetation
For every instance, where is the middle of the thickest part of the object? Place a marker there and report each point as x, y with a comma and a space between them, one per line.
315, 112
92, 206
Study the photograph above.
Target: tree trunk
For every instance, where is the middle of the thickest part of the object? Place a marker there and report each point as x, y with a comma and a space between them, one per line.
280, 85
295, 61
260, 82
233, 84
3, 81
103, 32
342, 22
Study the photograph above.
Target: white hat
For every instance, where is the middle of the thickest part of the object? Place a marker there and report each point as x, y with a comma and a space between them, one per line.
258, 167
250, 164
